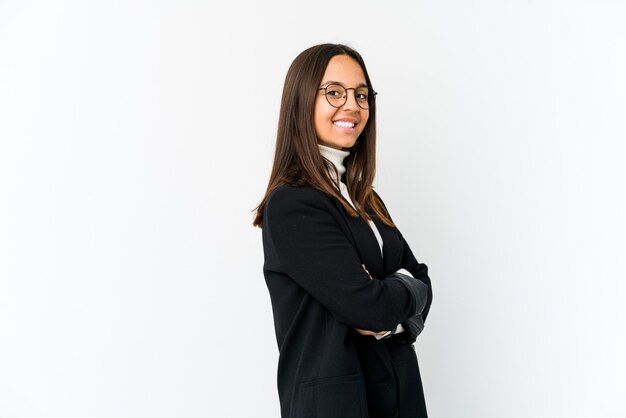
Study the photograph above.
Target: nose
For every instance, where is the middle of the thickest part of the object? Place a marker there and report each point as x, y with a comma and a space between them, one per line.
351, 103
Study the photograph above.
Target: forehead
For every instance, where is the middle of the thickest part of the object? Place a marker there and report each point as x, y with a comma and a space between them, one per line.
344, 69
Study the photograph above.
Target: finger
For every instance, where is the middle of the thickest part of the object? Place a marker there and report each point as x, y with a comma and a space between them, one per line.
368, 273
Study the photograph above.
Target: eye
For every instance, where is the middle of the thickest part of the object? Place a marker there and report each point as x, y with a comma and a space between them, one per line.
334, 91
362, 94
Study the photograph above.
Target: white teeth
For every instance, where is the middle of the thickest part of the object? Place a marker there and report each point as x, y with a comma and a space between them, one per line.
344, 124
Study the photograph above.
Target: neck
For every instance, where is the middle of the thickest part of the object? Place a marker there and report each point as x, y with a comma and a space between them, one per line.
335, 156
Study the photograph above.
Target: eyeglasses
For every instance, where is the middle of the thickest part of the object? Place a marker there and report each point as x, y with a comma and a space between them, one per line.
337, 95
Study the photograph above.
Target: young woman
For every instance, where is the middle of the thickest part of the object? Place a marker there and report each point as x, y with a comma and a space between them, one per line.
348, 296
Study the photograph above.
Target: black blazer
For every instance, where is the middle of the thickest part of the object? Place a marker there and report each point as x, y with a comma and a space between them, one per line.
320, 293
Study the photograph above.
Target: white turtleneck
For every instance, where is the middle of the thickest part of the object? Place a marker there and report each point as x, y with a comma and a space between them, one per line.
337, 157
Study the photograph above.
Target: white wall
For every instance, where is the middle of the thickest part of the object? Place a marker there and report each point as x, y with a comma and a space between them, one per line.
136, 137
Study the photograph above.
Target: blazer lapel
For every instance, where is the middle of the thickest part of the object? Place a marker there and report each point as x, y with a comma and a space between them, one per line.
392, 246
365, 243
379, 265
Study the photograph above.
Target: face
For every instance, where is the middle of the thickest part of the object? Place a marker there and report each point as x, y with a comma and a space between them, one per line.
340, 127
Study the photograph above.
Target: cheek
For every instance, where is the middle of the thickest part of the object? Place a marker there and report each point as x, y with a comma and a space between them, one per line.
316, 117
317, 121
322, 118
364, 119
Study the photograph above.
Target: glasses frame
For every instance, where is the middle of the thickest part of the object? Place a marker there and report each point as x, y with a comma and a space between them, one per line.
345, 99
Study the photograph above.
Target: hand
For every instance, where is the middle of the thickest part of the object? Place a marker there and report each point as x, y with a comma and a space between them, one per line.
366, 332
368, 273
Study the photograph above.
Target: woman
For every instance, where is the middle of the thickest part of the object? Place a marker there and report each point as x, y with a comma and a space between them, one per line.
348, 296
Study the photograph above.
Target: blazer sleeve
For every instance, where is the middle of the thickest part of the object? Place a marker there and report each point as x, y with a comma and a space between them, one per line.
313, 251
417, 269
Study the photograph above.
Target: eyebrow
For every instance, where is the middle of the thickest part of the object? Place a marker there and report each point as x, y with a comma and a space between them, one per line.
341, 84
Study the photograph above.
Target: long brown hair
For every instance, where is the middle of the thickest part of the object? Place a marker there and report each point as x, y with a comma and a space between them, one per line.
297, 159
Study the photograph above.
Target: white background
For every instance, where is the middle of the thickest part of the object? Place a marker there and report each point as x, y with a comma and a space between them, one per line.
137, 137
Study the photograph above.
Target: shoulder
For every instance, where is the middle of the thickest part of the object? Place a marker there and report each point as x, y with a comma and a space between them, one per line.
376, 197
289, 195
376, 194
289, 198
380, 199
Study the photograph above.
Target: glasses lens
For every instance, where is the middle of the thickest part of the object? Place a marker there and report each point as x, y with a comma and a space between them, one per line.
363, 97
336, 95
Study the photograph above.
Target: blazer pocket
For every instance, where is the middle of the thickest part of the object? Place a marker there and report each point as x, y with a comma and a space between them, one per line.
336, 397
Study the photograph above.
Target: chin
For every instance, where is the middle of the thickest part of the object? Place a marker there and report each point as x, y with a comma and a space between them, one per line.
350, 145
342, 143
346, 143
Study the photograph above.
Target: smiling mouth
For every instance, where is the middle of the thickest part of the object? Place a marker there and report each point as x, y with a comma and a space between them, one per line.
342, 124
